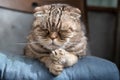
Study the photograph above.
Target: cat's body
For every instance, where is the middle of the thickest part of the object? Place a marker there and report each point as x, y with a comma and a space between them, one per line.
57, 38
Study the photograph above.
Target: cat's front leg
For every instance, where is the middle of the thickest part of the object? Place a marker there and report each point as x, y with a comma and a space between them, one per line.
54, 68
63, 57
58, 56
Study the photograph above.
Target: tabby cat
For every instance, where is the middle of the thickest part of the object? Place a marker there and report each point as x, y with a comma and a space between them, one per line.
57, 37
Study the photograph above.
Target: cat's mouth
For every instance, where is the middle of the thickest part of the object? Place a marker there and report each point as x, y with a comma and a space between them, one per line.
53, 46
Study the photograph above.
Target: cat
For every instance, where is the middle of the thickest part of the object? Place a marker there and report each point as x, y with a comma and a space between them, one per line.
57, 37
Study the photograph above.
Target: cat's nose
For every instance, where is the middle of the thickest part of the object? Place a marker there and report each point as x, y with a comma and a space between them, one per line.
53, 35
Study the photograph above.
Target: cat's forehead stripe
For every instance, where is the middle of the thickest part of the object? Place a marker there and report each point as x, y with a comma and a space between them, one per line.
55, 16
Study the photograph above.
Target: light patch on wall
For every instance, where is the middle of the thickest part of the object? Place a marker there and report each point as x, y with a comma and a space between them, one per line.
102, 3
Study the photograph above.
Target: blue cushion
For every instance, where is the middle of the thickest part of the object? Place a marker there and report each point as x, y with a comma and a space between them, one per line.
14, 67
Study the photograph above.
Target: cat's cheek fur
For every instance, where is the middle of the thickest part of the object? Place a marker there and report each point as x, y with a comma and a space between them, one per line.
61, 42
45, 42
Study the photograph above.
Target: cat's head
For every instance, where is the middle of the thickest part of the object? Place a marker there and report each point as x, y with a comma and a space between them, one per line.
55, 25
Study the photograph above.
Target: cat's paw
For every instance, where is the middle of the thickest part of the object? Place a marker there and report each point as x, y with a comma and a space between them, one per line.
55, 69
58, 55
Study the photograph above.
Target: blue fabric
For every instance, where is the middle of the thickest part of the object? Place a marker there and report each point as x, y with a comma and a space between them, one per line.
87, 68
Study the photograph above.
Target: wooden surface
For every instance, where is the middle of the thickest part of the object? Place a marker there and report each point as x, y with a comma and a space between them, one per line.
102, 9
28, 5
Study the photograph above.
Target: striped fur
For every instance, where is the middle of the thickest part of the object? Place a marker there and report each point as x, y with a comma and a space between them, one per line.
57, 37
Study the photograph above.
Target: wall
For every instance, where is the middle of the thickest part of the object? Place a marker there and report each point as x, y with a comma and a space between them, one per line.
105, 3
118, 43
14, 27
101, 28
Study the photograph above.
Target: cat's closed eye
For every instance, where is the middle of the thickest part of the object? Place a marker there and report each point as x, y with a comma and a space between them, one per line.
45, 30
42, 30
66, 31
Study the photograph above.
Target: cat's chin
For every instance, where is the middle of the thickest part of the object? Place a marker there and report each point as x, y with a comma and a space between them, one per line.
52, 47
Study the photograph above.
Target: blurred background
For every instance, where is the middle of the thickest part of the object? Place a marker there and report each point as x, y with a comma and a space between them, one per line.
101, 18
104, 28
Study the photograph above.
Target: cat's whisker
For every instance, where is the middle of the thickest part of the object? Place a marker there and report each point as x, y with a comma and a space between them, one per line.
27, 43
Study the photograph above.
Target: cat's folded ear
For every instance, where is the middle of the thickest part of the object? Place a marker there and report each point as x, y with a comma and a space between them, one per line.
74, 12
41, 10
